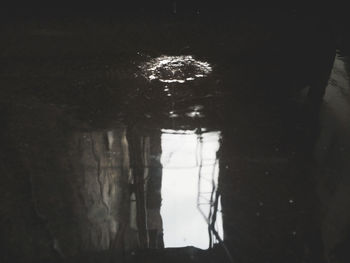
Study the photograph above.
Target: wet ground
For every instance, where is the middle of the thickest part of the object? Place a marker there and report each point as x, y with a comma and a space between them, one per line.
174, 141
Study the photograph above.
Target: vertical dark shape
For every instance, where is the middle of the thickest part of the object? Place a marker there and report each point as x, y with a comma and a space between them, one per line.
137, 145
320, 43
154, 199
271, 210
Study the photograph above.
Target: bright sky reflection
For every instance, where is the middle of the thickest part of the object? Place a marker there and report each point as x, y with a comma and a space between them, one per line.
185, 206
175, 69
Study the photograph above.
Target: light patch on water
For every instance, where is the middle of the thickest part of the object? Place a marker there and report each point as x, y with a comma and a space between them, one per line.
189, 187
172, 114
175, 69
195, 114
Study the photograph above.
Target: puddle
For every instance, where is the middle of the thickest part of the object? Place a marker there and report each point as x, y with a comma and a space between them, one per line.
173, 157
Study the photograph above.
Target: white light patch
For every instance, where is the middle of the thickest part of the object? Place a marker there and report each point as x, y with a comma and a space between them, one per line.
190, 172
175, 69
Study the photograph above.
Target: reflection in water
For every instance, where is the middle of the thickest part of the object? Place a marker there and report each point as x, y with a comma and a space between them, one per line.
87, 191
179, 69
101, 170
189, 189
125, 178
196, 112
